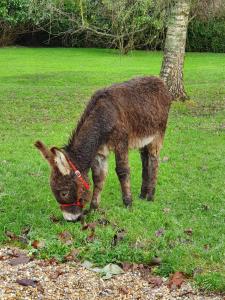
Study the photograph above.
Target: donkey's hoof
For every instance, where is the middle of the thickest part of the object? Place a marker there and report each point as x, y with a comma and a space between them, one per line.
150, 198
150, 195
94, 206
127, 202
142, 196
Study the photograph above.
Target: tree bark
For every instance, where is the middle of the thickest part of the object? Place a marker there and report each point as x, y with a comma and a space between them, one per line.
174, 51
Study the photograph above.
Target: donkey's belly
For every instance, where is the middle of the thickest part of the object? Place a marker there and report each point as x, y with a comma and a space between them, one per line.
134, 143
137, 143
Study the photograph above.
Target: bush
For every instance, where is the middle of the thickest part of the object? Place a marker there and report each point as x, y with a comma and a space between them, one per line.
123, 24
14, 19
206, 36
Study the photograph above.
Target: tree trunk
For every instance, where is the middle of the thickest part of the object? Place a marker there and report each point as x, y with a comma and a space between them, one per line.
174, 51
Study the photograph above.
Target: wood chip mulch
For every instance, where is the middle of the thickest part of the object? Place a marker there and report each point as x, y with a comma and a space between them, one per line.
24, 279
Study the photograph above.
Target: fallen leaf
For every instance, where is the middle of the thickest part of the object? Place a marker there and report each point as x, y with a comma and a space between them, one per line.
47, 262
23, 239
188, 231
91, 236
165, 159
11, 235
166, 210
22, 259
66, 237
25, 230
206, 247
197, 271
111, 270
103, 222
38, 244
34, 174
160, 232
176, 280
27, 282
126, 266
56, 273
123, 290
54, 219
155, 281
72, 255
89, 226
107, 272
87, 264
14, 253
119, 236
205, 207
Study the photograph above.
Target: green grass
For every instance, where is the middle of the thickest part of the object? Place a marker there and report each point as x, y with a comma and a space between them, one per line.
43, 92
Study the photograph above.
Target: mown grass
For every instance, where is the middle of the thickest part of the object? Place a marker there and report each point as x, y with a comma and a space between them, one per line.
43, 92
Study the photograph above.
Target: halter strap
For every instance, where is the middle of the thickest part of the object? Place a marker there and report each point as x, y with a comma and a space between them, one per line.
84, 182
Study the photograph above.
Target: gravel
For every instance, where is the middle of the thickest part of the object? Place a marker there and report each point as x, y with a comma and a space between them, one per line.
50, 280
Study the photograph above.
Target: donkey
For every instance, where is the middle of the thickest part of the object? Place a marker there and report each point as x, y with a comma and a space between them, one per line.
124, 116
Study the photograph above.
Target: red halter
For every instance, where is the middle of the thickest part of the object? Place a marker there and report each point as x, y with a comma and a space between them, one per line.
85, 184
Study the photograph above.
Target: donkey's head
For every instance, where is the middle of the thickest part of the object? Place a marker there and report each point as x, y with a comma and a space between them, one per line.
69, 188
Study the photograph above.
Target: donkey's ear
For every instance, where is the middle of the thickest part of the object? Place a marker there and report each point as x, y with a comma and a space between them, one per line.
47, 154
61, 161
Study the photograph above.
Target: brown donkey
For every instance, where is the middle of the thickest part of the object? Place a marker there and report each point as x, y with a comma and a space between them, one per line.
123, 116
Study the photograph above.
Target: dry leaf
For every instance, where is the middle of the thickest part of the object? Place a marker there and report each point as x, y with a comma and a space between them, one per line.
119, 236
38, 244
91, 236
27, 282
205, 207
155, 281
47, 262
176, 280
66, 237
166, 210
57, 273
188, 231
11, 235
89, 226
21, 259
206, 247
123, 290
126, 266
103, 222
165, 159
54, 219
25, 230
160, 232
72, 255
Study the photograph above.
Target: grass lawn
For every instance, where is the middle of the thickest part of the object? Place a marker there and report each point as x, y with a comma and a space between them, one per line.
42, 94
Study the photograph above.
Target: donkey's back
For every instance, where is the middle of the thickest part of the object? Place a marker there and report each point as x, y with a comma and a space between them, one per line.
135, 111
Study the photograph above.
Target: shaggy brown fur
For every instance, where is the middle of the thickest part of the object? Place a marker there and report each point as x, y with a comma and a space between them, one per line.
129, 115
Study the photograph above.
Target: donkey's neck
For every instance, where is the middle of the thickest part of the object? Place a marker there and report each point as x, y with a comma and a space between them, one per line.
83, 145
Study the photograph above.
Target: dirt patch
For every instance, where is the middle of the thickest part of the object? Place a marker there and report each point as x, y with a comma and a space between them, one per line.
48, 279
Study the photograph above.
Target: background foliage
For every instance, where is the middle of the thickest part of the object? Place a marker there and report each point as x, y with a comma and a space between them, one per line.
123, 24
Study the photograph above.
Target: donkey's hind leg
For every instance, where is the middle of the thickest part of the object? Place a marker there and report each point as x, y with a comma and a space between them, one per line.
99, 171
150, 163
123, 172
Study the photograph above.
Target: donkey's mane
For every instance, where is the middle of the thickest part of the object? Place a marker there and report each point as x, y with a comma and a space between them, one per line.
89, 108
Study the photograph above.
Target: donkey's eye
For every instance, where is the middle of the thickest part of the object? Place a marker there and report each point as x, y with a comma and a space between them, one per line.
64, 194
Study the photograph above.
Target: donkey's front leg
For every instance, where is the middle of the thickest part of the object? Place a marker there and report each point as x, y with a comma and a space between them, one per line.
99, 171
123, 173
150, 163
